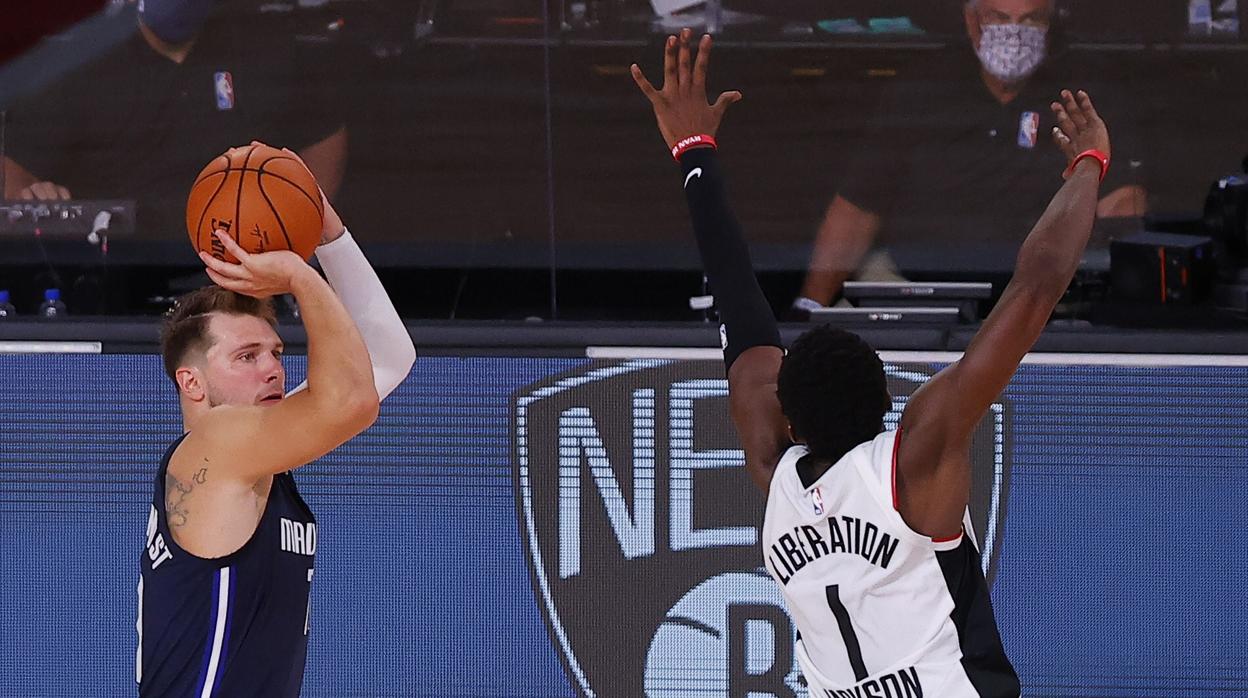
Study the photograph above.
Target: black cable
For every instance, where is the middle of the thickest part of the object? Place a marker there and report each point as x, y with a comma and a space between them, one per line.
550, 156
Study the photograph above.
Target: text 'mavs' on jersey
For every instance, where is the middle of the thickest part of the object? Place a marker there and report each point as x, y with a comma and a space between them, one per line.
881, 610
233, 626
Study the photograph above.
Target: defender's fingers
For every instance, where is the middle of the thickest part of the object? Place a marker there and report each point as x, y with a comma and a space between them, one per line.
725, 100
685, 61
646, 88
669, 64
701, 64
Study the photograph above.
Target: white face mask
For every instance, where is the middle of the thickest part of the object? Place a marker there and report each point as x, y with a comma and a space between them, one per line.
1012, 52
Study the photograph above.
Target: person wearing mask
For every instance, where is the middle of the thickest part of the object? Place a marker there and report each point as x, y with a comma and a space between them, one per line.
141, 120
952, 171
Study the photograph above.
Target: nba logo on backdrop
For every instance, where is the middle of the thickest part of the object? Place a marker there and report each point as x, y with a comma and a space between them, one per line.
1028, 129
649, 584
224, 84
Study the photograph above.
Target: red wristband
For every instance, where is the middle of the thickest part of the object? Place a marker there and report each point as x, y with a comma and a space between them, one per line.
684, 145
1089, 153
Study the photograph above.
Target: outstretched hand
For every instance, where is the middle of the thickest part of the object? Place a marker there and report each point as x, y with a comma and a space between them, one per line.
1079, 127
680, 106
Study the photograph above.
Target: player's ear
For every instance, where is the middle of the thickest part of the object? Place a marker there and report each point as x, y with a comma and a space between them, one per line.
191, 383
792, 432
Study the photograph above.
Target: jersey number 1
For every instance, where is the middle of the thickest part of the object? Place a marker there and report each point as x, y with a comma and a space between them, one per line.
847, 632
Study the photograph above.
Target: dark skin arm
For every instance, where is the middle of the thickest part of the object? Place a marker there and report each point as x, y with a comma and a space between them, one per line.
681, 109
933, 460
761, 426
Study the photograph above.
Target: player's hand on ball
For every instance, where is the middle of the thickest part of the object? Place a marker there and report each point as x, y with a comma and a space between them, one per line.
1079, 127
257, 275
332, 227
680, 105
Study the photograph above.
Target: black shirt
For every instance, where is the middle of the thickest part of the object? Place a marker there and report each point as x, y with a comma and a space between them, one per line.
956, 175
133, 124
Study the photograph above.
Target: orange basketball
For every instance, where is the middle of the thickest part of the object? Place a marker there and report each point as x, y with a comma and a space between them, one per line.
262, 197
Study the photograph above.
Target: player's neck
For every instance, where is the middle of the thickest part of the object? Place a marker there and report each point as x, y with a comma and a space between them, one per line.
174, 52
810, 469
191, 412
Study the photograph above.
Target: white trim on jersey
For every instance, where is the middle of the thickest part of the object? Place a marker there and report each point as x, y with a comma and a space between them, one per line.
937, 543
218, 634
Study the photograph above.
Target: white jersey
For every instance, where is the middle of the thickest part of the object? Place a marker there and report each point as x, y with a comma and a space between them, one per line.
881, 610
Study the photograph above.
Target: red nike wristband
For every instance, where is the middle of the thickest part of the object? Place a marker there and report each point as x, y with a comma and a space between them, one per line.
684, 145
1089, 153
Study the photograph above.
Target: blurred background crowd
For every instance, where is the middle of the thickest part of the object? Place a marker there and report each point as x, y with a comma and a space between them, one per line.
495, 161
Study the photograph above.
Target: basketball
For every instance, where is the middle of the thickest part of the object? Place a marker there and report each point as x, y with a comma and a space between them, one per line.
261, 196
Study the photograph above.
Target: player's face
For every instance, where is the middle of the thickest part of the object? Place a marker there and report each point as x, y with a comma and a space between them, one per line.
244, 363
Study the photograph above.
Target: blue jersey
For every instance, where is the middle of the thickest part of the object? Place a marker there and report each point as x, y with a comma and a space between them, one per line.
233, 626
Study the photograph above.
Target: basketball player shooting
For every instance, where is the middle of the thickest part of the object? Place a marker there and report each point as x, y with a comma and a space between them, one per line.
867, 532
227, 570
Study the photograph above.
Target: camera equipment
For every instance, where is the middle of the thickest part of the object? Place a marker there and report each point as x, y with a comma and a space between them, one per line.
1226, 212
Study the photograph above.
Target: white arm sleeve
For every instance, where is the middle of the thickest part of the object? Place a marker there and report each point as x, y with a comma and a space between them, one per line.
389, 345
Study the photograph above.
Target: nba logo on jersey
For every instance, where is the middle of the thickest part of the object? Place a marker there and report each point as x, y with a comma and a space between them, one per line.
224, 84
1028, 129
816, 501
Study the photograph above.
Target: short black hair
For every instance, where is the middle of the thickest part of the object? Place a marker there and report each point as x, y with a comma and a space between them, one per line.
833, 390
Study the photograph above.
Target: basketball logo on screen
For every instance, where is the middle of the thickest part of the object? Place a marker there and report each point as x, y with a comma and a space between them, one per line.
642, 528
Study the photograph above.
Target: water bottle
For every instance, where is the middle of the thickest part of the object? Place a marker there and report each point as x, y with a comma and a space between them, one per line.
6, 308
52, 307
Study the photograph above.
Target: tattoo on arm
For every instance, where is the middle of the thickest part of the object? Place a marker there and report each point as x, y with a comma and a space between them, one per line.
176, 494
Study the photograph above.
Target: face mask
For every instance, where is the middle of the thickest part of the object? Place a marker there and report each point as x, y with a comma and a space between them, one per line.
175, 21
1012, 52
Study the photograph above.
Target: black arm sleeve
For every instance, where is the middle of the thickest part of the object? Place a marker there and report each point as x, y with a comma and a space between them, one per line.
745, 316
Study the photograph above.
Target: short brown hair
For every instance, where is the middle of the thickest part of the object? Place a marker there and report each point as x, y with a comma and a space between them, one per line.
185, 328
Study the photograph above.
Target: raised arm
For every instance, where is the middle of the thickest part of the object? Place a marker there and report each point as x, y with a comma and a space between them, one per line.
390, 347
933, 463
245, 443
751, 339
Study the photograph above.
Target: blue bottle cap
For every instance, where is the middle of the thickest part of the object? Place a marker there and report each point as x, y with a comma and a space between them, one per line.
52, 294
4, 296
